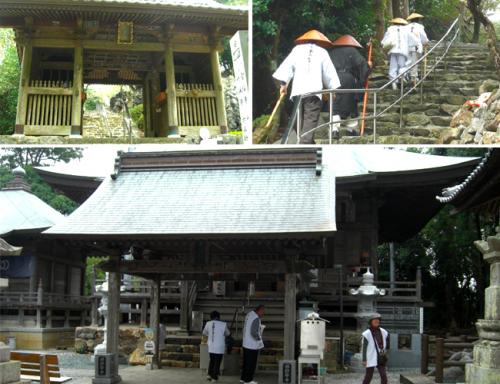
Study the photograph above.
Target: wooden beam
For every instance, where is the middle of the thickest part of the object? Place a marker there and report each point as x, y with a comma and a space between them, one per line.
290, 316
173, 124
212, 267
22, 101
219, 91
104, 45
154, 321
76, 115
113, 326
184, 319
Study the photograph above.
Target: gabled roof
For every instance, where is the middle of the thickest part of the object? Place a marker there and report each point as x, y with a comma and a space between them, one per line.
208, 193
9, 250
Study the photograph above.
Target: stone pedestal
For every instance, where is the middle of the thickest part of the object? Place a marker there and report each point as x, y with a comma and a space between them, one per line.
486, 366
10, 372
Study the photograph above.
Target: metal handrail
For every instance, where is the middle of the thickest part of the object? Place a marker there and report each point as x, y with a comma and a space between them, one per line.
375, 91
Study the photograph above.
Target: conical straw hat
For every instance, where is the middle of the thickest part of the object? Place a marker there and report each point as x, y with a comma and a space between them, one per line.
414, 16
314, 36
347, 41
399, 20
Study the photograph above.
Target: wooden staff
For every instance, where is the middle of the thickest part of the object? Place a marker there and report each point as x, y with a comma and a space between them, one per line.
282, 96
365, 99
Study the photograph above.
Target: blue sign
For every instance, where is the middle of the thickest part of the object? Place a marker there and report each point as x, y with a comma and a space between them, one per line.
16, 266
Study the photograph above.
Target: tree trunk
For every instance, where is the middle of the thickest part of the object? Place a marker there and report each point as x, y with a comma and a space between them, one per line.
405, 11
396, 8
388, 9
379, 19
491, 39
477, 29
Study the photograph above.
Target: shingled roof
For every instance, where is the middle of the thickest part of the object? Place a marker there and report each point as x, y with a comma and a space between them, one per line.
205, 193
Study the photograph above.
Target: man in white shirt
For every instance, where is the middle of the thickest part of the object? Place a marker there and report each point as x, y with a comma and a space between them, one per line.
418, 30
216, 332
312, 70
252, 344
397, 40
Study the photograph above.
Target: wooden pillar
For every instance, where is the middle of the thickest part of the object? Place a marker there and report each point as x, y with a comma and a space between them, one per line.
154, 320
155, 115
22, 100
67, 315
113, 328
184, 315
144, 312
146, 107
173, 123
219, 90
94, 313
39, 302
48, 320
76, 114
290, 316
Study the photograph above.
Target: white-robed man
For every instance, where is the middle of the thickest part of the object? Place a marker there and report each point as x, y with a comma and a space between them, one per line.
397, 40
418, 30
312, 70
216, 332
375, 343
252, 344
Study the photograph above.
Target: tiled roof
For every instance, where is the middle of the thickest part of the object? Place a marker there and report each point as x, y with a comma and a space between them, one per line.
487, 164
206, 202
22, 211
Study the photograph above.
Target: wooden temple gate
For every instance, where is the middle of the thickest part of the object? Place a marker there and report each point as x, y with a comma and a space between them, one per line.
170, 50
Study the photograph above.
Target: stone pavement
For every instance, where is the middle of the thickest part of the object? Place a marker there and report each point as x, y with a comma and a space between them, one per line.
140, 374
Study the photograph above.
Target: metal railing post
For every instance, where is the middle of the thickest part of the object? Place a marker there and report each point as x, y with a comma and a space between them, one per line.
375, 94
330, 126
299, 120
401, 103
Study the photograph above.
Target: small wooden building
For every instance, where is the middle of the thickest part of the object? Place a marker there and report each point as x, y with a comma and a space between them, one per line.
44, 299
169, 47
262, 215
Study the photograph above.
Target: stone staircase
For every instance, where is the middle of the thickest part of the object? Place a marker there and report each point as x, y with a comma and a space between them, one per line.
183, 351
444, 91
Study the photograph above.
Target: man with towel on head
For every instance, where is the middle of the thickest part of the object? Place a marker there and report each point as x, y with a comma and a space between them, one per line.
312, 70
397, 40
418, 30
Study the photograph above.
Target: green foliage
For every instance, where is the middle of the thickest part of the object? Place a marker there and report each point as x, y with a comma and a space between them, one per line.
28, 158
9, 81
92, 262
137, 115
92, 102
453, 271
438, 14
13, 157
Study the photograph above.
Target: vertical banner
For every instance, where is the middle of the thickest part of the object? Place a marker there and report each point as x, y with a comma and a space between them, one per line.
239, 52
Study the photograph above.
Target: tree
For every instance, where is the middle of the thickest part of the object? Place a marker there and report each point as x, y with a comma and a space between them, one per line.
12, 157
9, 81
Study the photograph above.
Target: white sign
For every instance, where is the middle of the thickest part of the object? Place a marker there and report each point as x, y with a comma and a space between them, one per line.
239, 52
4, 283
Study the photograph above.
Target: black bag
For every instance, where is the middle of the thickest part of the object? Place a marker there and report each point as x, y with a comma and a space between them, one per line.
229, 344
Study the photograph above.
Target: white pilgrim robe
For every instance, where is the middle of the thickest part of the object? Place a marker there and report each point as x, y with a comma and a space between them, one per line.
419, 31
311, 69
400, 39
216, 331
371, 351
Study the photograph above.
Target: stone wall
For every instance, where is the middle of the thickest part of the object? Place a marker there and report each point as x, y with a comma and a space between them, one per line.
477, 125
95, 126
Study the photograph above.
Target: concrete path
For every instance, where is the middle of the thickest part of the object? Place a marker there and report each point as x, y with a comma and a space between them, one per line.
133, 375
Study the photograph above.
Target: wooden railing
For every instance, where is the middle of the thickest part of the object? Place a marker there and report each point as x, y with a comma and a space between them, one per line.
443, 349
196, 105
49, 106
50, 300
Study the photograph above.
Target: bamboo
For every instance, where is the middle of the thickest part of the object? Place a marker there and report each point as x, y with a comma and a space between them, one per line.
278, 103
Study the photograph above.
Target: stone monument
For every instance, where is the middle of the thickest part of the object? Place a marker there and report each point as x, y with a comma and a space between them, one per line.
485, 368
10, 371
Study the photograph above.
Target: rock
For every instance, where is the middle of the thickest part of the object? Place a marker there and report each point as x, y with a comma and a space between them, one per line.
10, 372
433, 112
448, 109
462, 117
456, 99
416, 119
420, 131
449, 135
443, 121
137, 357
488, 86
489, 138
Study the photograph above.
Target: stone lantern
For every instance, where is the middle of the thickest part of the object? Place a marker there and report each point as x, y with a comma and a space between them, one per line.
367, 293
